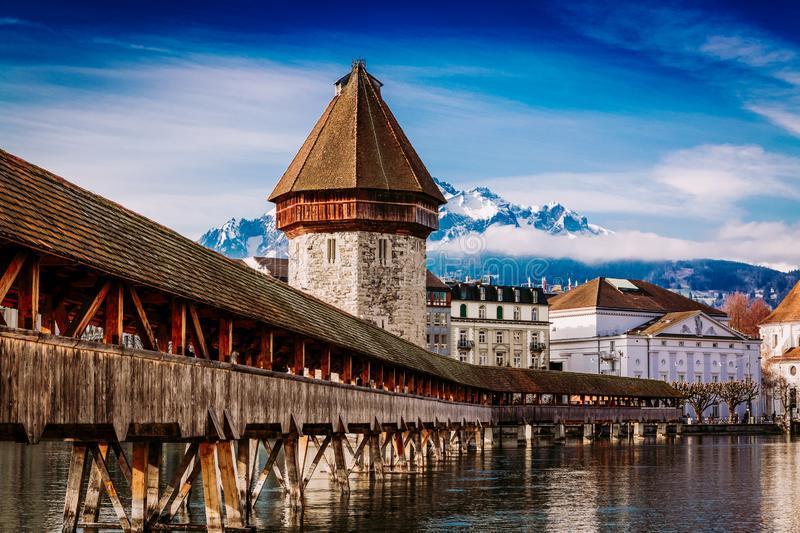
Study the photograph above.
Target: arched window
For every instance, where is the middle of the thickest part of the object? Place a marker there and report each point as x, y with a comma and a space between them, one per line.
482, 311
499, 312
534, 314
517, 313
463, 311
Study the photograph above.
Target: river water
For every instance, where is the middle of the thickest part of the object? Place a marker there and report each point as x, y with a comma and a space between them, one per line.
695, 483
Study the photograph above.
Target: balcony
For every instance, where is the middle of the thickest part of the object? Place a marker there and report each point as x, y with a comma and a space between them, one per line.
610, 356
465, 344
537, 346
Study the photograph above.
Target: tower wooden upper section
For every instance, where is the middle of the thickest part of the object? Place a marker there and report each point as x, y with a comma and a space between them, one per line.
357, 170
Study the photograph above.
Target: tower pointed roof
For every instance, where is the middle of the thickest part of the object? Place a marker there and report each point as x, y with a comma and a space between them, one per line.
357, 144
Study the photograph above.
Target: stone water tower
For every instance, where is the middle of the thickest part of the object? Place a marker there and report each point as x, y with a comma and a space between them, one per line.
357, 205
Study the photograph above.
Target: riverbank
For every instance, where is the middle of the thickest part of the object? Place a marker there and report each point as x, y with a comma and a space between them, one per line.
731, 429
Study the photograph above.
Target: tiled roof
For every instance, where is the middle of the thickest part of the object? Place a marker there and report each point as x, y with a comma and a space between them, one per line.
432, 282
600, 293
43, 212
788, 310
657, 325
790, 355
357, 144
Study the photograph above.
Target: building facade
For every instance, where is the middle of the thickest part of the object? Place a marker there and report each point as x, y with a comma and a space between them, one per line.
357, 205
437, 299
632, 328
780, 347
499, 325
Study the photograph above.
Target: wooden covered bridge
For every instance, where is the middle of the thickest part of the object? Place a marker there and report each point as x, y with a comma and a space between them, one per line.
120, 330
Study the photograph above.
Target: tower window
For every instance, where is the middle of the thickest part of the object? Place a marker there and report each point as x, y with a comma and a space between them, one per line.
383, 251
331, 252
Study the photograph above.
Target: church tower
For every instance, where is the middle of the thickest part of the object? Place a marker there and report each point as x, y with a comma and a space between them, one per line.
357, 205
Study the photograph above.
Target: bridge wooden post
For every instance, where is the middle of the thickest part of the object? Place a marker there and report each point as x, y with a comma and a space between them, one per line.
75, 480
212, 495
375, 454
139, 487
246, 456
229, 478
398, 444
437, 445
523, 435
588, 433
341, 472
91, 505
559, 433
293, 479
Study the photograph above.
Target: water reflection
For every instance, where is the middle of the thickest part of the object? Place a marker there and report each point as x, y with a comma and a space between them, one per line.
698, 483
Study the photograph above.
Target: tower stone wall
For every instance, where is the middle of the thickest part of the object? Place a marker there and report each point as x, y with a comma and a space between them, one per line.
388, 292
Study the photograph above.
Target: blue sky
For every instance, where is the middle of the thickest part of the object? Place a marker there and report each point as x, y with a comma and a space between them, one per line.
676, 125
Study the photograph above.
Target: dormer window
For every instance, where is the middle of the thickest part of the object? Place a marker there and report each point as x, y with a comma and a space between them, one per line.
516, 295
483, 293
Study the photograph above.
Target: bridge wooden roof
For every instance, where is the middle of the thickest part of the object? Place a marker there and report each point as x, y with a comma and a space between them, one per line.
43, 212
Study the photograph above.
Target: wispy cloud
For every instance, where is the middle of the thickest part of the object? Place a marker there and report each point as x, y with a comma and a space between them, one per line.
171, 139
709, 45
706, 183
13, 21
788, 120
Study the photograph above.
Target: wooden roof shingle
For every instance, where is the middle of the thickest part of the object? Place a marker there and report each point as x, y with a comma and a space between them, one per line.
357, 144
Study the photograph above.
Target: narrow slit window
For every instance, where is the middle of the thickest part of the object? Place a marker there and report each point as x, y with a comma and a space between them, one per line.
331, 253
383, 251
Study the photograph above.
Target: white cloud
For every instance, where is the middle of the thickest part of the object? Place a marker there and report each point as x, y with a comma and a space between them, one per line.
707, 44
722, 174
705, 182
759, 243
186, 135
787, 120
751, 51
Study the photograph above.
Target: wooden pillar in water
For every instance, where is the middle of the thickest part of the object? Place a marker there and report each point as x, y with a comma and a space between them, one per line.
398, 445
293, 476
375, 454
341, 472
212, 495
75, 480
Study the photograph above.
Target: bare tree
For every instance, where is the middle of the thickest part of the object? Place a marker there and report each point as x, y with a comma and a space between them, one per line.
735, 393
745, 314
780, 389
700, 396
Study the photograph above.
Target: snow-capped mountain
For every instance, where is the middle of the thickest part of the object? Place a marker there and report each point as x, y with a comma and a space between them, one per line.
240, 237
476, 209
471, 211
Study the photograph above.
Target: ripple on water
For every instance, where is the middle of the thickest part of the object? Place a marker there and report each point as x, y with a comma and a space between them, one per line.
708, 484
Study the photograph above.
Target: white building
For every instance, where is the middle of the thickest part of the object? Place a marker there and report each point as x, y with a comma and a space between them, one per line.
498, 325
636, 329
780, 344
